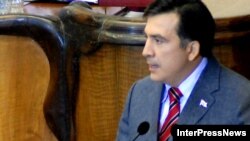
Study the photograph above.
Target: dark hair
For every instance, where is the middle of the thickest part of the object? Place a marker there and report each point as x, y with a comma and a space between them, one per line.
195, 23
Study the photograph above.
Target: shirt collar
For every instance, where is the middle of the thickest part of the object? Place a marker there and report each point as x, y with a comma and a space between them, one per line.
188, 84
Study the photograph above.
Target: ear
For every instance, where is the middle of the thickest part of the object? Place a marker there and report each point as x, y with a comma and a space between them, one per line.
193, 50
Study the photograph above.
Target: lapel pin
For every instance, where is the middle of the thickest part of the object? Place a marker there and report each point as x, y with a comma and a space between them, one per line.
203, 103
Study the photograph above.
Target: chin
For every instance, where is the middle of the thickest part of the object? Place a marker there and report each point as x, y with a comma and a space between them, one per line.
156, 78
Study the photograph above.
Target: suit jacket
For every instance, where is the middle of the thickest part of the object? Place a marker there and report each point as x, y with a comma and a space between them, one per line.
226, 94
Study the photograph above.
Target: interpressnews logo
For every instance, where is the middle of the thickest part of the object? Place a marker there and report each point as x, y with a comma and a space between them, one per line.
202, 132
199, 132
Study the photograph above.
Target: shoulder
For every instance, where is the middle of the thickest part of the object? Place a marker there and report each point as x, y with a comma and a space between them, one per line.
216, 72
146, 82
146, 86
223, 79
235, 85
234, 79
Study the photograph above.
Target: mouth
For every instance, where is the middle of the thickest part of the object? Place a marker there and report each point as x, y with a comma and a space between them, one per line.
153, 67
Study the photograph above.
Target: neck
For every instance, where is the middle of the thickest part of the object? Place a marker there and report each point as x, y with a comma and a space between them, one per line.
189, 68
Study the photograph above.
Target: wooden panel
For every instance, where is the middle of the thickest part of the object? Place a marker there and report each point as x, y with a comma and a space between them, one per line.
105, 77
25, 74
232, 43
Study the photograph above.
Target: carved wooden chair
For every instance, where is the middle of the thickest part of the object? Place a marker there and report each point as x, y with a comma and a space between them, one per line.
33, 84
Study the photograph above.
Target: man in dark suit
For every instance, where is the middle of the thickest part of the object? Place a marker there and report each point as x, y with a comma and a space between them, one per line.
178, 51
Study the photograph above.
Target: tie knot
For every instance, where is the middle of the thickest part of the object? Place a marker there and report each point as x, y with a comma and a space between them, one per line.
175, 93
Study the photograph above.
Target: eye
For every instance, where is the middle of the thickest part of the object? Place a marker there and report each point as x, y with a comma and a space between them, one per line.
159, 40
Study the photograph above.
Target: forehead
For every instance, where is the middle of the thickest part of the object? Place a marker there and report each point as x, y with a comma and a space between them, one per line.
162, 23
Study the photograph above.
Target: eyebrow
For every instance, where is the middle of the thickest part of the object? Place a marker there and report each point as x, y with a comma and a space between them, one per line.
157, 36
154, 35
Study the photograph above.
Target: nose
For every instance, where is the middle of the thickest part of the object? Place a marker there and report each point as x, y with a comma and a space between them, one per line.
148, 49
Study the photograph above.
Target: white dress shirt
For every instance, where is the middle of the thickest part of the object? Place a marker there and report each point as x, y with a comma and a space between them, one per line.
185, 87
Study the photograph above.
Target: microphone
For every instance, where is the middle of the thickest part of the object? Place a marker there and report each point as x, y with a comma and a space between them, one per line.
142, 129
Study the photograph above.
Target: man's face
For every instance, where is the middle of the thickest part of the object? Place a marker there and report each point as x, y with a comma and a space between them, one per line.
166, 59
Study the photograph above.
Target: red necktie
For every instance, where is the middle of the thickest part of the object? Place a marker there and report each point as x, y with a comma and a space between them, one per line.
174, 112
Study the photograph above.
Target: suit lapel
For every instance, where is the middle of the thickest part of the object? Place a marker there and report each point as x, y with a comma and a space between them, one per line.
201, 99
